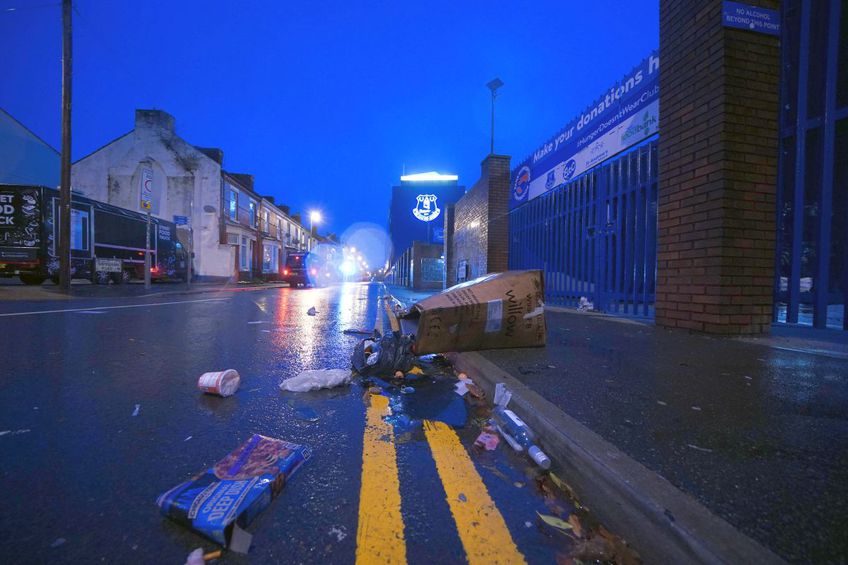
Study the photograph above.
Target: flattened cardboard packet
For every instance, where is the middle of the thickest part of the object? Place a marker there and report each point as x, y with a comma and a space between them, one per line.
233, 492
499, 310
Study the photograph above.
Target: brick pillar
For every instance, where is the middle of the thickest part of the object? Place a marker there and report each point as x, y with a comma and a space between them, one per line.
496, 169
450, 263
479, 232
717, 171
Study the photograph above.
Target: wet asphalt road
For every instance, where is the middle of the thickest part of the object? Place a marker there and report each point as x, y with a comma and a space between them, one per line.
81, 473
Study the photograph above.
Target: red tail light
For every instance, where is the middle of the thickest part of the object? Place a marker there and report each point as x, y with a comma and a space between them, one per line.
285, 271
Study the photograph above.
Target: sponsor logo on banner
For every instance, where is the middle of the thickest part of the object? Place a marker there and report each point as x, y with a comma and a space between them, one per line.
568, 169
521, 186
426, 208
623, 116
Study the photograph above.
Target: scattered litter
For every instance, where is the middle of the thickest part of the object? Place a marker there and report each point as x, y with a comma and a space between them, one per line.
316, 379
518, 484
555, 522
416, 371
528, 524
351, 331
136, 409
551, 366
407, 390
339, 532
14, 432
462, 497
235, 490
462, 376
58, 542
696, 408
259, 322
195, 557
383, 355
398, 374
516, 432
486, 313
502, 395
188, 438
221, 383
312, 311
747, 377
266, 331
461, 388
487, 439
661, 403
704, 449
585, 305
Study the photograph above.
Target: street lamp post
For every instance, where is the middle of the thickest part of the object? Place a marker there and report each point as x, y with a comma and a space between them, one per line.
493, 85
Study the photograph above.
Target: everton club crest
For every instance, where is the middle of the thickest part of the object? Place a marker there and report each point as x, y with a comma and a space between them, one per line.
426, 208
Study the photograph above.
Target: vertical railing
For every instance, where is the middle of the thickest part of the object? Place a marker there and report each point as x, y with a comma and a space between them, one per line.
595, 237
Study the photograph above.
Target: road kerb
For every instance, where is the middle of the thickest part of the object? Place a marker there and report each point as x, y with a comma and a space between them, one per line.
664, 524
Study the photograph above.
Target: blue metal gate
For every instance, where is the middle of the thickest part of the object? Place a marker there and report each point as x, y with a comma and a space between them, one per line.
811, 286
596, 236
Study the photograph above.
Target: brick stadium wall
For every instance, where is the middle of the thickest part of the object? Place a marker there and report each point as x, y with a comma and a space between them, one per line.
498, 215
480, 222
450, 265
717, 171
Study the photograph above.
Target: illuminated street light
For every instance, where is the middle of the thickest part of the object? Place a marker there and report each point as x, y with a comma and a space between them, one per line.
314, 218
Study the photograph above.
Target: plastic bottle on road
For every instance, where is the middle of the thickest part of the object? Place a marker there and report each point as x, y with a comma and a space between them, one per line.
513, 428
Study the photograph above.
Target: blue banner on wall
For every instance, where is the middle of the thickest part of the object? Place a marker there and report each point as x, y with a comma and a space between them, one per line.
625, 115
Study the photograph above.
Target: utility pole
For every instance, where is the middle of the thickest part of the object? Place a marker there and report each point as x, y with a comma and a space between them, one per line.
65, 175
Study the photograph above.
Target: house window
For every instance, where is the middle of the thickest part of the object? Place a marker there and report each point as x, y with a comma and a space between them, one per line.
231, 201
279, 228
270, 253
252, 209
266, 226
244, 254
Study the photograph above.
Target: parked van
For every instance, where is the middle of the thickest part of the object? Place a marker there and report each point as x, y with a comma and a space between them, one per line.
107, 242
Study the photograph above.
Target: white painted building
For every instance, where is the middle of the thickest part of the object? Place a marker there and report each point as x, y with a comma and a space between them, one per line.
237, 234
186, 182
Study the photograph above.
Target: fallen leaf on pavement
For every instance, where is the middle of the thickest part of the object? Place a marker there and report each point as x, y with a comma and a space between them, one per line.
555, 522
575, 525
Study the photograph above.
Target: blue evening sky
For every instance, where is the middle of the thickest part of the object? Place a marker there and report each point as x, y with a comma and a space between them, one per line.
324, 102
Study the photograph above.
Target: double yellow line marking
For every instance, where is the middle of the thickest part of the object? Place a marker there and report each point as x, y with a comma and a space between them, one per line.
380, 537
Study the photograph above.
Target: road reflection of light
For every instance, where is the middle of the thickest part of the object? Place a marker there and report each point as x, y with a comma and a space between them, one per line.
347, 304
295, 328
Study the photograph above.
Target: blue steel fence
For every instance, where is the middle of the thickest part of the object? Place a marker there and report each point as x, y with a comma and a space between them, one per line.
596, 236
811, 267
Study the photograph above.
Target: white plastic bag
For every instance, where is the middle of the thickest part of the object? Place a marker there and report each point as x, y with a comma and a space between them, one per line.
316, 379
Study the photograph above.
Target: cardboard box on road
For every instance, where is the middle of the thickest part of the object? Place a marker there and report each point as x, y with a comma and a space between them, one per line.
497, 311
